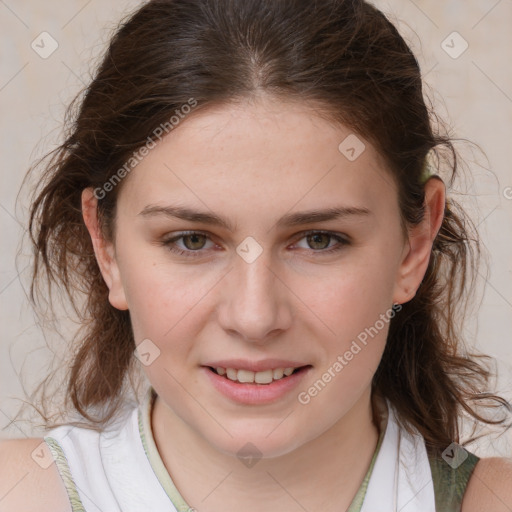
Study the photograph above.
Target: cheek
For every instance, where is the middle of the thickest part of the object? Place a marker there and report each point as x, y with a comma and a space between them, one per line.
162, 297
352, 309
349, 297
355, 307
166, 308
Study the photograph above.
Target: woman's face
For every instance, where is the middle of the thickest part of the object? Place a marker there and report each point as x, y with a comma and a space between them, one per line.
257, 291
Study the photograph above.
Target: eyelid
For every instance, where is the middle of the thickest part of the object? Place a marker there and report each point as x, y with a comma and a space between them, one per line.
334, 234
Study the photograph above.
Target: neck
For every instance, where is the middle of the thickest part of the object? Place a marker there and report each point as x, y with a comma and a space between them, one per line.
323, 474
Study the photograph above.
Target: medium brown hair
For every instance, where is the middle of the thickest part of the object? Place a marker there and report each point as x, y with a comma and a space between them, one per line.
343, 56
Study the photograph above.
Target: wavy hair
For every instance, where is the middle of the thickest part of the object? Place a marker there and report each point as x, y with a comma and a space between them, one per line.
343, 56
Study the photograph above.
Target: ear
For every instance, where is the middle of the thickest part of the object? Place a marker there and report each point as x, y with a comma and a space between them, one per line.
418, 245
104, 251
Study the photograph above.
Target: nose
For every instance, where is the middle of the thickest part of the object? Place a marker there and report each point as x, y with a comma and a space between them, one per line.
255, 304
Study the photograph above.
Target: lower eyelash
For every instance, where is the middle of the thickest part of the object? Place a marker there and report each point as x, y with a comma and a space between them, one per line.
169, 243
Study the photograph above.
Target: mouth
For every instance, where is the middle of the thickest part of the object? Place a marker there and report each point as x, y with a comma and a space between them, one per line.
261, 377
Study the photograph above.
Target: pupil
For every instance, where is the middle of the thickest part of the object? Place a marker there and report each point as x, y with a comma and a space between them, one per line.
315, 236
194, 236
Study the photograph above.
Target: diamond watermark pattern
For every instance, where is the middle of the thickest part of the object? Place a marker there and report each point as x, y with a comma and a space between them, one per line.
249, 250
146, 352
455, 455
44, 45
454, 45
351, 147
249, 455
42, 455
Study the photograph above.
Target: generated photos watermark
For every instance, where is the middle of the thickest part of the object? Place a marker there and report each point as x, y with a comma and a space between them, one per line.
138, 155
342, 360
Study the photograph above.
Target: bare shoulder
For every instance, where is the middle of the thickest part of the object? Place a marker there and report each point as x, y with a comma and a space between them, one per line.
29, 479
490, 486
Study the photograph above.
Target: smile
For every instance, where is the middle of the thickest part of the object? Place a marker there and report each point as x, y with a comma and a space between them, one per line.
267, 382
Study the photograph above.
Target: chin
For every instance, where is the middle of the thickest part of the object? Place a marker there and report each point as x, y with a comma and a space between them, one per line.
259, 441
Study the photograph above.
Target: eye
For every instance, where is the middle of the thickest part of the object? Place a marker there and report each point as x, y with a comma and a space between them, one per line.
319, 241
195, 241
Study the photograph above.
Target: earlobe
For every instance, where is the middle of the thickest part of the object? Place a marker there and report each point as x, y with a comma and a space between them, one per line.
104, 251
418, 246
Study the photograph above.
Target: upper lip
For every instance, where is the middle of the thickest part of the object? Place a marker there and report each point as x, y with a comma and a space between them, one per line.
255, 366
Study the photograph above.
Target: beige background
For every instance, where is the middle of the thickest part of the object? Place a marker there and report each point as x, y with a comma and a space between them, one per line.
473, 93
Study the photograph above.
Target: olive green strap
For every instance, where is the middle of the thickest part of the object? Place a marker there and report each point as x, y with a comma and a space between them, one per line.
451, 478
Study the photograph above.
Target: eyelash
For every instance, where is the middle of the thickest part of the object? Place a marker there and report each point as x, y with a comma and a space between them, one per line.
169, 243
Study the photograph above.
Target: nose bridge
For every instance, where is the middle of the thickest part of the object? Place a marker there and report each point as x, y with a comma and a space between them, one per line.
255, 306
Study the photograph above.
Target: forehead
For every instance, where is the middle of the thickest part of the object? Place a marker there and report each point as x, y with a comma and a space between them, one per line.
262, 152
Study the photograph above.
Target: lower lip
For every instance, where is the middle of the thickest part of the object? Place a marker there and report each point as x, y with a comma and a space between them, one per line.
256, 394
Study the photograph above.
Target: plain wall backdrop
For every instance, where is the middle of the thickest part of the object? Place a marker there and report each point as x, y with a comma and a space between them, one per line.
48, 50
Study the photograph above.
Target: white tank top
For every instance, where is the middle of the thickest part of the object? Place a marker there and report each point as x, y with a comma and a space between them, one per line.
110, 471
120, 468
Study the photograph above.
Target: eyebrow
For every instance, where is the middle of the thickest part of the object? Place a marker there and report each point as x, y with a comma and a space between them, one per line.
288, 220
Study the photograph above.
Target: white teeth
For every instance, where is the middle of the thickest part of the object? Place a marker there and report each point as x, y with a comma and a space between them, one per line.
245, 376
278, 373
264, 377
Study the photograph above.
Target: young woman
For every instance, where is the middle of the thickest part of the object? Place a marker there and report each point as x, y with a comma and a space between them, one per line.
248, 211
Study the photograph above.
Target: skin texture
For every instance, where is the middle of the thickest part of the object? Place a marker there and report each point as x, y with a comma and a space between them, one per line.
252, 163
